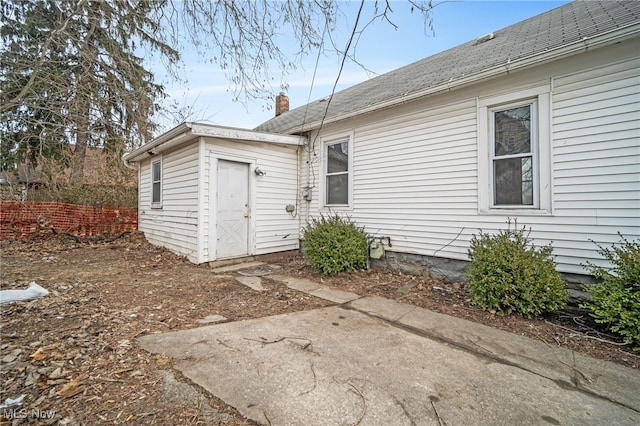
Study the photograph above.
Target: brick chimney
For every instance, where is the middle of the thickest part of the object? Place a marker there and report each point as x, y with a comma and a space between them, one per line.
282, 103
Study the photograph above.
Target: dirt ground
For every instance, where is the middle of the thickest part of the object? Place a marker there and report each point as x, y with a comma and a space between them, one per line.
71, 356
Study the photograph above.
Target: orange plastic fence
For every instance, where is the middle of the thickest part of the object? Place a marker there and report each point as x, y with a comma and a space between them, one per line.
29, 219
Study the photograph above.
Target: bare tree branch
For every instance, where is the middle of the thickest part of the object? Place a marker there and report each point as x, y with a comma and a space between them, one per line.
72, 71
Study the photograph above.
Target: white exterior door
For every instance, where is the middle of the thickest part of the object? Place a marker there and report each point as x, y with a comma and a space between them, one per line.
232, 218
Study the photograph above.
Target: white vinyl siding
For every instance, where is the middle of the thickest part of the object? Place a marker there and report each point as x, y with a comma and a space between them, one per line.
175, 225
183, 225
275, 229
416, 175
596, 136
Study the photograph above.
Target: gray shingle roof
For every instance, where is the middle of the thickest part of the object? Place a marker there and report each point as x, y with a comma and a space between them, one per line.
535, 36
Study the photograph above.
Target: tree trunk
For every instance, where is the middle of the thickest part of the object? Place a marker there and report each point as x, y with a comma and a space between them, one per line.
82, 139
88, 55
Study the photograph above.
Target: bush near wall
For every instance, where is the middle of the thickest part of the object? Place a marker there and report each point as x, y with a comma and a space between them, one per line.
335, 244
508, 274
615, 296
29, 219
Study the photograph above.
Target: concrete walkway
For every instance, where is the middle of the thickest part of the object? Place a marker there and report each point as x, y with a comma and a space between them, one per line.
373, 361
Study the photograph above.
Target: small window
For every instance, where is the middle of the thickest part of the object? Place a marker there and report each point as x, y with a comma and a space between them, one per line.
156, 184
512, 151
337, 173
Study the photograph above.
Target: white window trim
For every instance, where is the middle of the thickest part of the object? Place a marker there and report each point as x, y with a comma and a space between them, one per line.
157, 204
541, 151
330, 140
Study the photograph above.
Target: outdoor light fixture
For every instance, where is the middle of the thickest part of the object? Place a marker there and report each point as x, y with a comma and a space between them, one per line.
259, 172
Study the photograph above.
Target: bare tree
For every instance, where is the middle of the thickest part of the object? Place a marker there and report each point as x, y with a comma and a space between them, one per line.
72, 71
249, 38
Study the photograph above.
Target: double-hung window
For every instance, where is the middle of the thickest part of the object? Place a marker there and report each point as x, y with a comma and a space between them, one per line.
156, 184
514, 141
337, 171
513, 131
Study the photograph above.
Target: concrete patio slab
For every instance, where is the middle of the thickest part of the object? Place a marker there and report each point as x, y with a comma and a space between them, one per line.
566, 368
381, 307
180, 394
349, 365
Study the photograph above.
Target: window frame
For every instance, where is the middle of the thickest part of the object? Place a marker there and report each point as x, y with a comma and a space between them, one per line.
533, 153
156, 204
540, 99
326, 142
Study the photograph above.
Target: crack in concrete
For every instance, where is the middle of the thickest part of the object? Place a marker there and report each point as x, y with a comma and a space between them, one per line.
490, 356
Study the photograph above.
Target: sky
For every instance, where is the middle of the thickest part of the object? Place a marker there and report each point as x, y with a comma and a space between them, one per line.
206, 90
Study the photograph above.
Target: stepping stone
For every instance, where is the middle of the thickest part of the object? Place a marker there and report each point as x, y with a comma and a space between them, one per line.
257, 271
405, 289
299, 284
236, 267
254, 283
210, 319
333, 295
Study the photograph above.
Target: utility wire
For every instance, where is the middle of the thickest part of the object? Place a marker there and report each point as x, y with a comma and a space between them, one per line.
311, 148
315, 70
344, 59
307, 148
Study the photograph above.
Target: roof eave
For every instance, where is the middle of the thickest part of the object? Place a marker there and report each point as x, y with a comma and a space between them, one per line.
586, 43
190, 131
246, 135
173, 137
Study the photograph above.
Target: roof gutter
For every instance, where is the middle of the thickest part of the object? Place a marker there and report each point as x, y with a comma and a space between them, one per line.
190, 131
173, 137
584, 44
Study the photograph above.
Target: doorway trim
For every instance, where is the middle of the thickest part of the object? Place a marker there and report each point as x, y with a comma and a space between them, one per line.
214, 157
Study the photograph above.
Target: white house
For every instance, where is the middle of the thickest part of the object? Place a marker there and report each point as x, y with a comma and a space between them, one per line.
539, 121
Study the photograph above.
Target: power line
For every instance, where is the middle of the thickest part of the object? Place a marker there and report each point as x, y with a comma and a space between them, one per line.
311, 148
315, 70
344, 59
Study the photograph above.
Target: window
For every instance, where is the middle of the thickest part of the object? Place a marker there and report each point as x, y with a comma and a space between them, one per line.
514, 173
156, 184
337, 171
512, 151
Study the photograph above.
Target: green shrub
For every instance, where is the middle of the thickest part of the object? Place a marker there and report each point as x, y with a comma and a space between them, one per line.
335, 244
615, 297
510, 275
